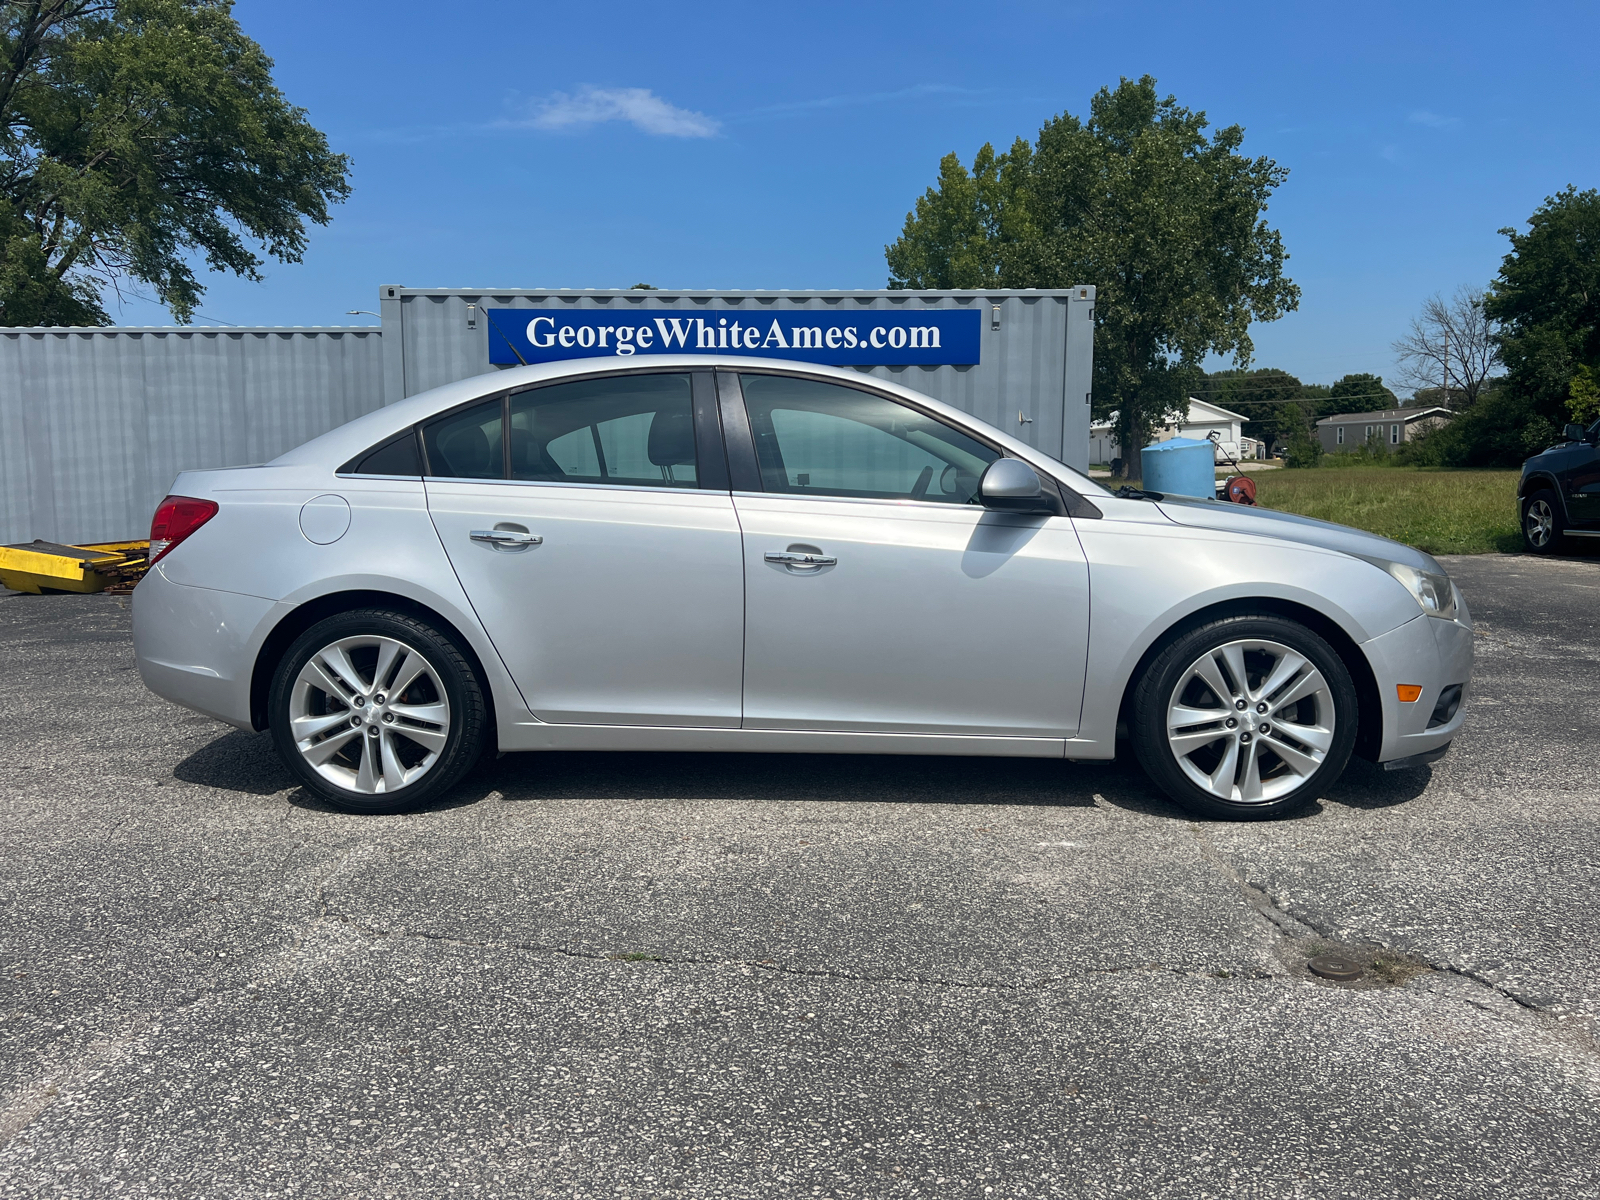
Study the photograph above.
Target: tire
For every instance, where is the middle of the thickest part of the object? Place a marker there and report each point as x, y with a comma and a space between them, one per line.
1542, 527
362, 746
1309, 739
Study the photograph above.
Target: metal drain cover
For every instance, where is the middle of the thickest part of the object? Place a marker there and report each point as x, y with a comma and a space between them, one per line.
1330, 966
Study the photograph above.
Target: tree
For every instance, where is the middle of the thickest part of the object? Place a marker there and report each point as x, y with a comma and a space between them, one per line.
1268, 399
1584, 404
1138, 200
1360, 392
134, 136
962, 231
1547, 300
1304, 448
1450, 346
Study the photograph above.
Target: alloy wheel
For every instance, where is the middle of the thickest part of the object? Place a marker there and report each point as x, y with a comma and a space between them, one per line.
369, 714
1540, 523
1251, 720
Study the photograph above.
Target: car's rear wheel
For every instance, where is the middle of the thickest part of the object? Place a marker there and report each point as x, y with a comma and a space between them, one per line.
1541, 522
1245, 718
376, 711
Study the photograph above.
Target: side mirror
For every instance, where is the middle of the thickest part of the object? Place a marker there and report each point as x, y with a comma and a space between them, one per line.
1573, 433
1011, 485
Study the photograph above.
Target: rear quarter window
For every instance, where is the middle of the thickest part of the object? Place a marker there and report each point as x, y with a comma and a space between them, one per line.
396, 456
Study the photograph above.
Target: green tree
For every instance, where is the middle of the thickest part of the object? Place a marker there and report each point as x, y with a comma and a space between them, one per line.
1584, 404
1547, 300
1357, 393
1138, 200
135, 137
1304, 448
1268, 399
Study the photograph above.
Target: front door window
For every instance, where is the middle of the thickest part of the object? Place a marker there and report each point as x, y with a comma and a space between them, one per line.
821, 439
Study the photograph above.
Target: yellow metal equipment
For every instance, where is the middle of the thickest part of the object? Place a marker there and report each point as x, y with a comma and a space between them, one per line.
50, 567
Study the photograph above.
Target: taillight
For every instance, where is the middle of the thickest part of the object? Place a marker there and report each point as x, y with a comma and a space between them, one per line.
176, 518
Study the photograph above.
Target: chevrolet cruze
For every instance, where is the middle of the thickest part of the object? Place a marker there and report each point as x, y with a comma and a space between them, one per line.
734, 554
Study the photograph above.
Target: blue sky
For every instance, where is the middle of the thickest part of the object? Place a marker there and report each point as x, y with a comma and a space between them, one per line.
780, 146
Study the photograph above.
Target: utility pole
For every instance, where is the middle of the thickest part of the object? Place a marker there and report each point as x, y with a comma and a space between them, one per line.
1447, 366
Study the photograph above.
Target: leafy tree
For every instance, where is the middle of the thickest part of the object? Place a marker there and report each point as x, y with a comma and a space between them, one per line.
962, 232
135, 134
1358, 393
1304, 449
1584, 404
1139, 200
1268, 399
1500, 430
1547, 300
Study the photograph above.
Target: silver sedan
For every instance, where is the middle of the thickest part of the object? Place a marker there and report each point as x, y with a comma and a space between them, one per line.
731, 554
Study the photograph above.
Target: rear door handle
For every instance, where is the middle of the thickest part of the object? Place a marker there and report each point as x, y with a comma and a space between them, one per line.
789, 559
506, 537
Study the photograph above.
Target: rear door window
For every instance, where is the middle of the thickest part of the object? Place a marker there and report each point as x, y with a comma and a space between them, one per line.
626, 431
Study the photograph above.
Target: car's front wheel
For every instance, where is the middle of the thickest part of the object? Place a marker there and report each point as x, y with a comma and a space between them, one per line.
1245, 717
1541, 522
376, 711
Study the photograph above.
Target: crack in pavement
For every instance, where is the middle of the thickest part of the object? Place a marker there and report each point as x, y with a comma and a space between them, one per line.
1273, 909
376, 932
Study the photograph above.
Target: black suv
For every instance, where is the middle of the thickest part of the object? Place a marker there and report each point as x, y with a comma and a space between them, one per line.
1560, 491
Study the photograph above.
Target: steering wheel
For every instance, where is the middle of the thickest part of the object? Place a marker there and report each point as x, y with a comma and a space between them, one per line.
920, 488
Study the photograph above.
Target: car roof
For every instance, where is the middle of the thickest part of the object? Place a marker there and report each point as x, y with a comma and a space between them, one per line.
338, 446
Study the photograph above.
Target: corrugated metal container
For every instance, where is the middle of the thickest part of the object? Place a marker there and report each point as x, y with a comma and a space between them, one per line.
97, 422
1032, 380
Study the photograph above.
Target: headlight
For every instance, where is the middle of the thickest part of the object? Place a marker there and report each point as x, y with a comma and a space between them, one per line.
1432, 590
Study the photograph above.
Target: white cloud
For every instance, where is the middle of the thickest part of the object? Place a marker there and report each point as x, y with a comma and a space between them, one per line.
641, 107
1432, 120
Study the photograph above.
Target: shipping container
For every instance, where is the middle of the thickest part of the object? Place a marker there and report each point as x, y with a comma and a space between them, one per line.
98, 421
1032, 375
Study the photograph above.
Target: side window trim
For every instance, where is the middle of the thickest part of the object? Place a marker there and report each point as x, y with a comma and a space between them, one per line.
708, 436
743, 472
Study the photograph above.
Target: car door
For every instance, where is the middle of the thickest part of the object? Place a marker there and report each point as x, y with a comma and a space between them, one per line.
591, 527
879, 596
1583, 476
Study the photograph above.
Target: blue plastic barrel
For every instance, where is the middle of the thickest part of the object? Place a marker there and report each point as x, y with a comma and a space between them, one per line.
1181, 466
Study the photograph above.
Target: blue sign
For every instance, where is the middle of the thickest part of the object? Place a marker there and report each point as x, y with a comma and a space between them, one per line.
856, 337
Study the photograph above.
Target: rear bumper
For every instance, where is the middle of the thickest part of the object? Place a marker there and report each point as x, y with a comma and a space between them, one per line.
196, 646
1432, 654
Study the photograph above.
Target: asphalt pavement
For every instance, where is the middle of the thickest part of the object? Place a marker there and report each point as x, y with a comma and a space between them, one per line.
758, 976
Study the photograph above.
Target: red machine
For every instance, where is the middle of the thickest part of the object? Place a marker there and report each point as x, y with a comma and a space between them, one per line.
1237, 489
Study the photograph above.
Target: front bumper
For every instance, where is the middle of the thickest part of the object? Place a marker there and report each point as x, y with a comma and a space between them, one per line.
197, 646
1426, 652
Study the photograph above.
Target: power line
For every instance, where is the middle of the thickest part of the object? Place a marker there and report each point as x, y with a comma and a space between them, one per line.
1266, 387
1321, 399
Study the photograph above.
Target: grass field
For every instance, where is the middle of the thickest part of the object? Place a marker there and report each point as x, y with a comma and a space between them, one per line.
1442, 512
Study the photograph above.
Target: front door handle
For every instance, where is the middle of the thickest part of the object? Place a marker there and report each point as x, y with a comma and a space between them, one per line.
789, 559
506, 537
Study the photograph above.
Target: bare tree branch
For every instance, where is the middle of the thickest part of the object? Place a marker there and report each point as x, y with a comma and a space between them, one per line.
1451, 346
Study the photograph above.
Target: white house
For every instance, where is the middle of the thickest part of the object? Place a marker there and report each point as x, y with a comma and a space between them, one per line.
1200, 422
